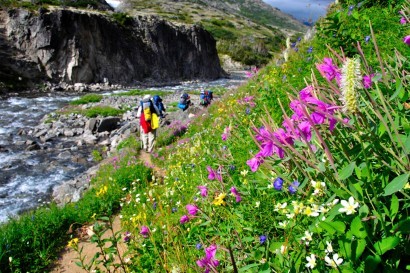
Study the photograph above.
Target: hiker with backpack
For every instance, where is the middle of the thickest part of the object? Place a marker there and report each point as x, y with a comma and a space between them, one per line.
205, 97
160, 106
184, 102
149, 115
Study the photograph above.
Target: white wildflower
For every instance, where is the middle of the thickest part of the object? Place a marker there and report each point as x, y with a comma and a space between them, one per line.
349, 206
311, 261
329, 247
334, 262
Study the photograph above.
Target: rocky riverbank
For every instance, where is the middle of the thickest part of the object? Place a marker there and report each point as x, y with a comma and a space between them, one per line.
65, 135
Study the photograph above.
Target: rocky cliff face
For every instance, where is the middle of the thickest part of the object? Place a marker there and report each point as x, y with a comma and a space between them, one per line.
72, 46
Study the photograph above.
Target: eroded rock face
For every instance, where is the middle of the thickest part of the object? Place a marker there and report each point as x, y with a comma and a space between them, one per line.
78, 47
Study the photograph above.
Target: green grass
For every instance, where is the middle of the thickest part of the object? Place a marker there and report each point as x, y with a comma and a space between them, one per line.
363, 160
89, 98
34, 241
102, 111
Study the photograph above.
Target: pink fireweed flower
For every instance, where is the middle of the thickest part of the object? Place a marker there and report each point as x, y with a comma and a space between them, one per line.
249, 74
212, 174
296, 106
306, 93
283, 137
144, 231
304, 129
367, 81
192, 209
203, 190
407, 39
328, 70
208, 262
184, 219
267, 149
254, 163
403, 20
235, 192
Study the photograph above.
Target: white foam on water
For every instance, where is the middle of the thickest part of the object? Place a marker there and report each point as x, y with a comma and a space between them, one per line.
18, 101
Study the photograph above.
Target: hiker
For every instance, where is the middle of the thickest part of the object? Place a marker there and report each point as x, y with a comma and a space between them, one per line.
160, 106
184, 102
205, 97
148, 114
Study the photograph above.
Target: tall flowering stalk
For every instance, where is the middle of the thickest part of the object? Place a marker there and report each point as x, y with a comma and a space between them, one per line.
350, 82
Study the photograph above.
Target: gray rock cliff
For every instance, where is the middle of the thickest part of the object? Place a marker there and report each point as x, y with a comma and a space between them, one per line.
74, 46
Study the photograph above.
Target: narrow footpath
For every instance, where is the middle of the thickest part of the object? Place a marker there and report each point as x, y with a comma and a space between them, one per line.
68, 258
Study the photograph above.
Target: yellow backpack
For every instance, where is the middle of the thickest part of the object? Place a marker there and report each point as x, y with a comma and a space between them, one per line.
146, 107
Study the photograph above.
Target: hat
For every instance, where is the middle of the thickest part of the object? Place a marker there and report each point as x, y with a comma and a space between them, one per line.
146, 97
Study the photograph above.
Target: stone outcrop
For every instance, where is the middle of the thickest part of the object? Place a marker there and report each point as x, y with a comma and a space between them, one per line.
76, 47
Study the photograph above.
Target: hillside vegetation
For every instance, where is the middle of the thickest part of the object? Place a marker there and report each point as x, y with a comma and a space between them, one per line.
305, 168
249, 31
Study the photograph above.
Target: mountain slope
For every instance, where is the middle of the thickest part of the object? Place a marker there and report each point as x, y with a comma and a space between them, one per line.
250, 31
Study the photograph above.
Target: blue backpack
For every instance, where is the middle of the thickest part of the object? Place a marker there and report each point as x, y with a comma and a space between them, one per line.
158, 103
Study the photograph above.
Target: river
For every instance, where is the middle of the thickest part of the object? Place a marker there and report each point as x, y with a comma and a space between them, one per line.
28, 177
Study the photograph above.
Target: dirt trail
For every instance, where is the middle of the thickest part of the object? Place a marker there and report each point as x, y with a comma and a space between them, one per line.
67, 262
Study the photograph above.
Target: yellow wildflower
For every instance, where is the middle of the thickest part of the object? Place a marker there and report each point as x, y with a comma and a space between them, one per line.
102, 191
219, 200
407, 186
73, 243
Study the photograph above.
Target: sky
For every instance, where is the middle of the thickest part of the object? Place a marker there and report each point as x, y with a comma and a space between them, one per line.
303, 10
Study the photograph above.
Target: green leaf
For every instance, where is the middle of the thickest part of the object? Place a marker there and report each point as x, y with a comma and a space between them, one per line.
386, 244
247, 267
403, 226
357, 228
396, 184
399, 88
371, 263
394, 207
345, 246
347, 171
358, 247
333, 227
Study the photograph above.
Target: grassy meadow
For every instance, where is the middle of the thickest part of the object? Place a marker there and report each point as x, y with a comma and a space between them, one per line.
305, 168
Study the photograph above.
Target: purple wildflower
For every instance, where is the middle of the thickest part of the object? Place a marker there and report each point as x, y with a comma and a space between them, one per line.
304, 129
198, 246
278, 184
127, 237
262, 239
144, 231
203, 190
254, 163
367, 81
328, 70
293, 188
310, 50
174, 209
367, 39
208, 262
192, 209
235, 192
407, 39
403, 20
212, 174
184, 219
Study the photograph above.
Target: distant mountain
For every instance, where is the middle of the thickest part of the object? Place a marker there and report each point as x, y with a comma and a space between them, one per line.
249, 31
